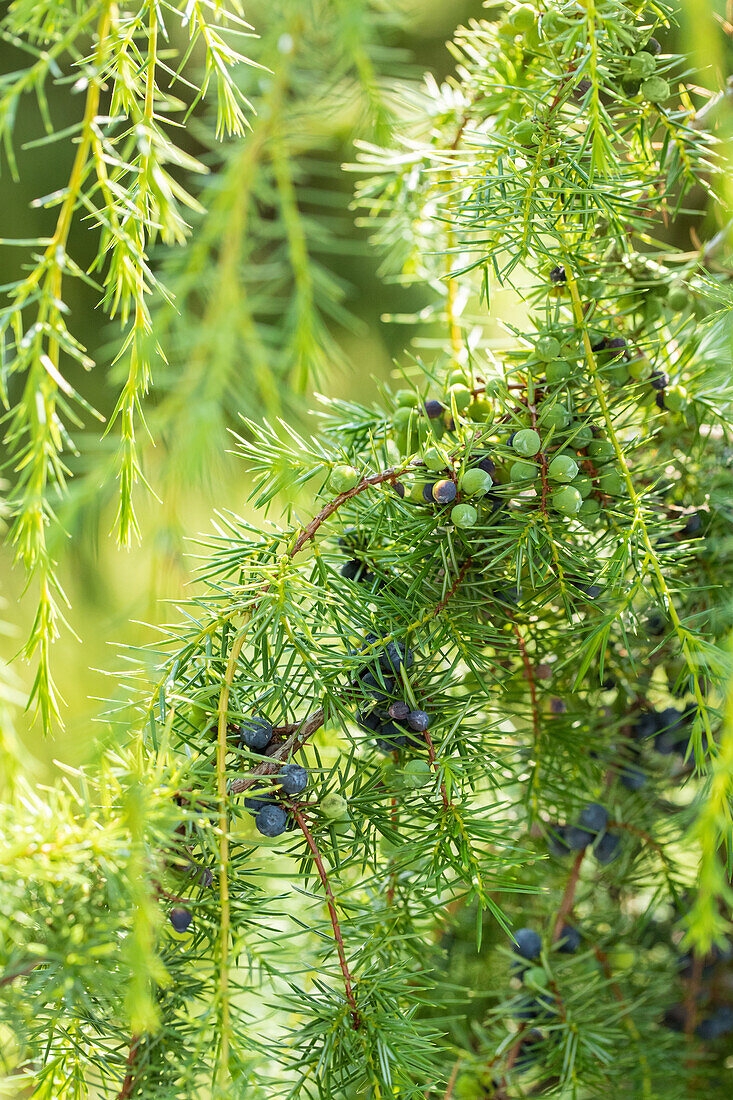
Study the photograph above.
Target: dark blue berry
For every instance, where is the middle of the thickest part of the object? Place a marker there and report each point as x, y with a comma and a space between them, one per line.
675, 1017
487, 465
653, 47
556, 842
352, 539
527, 1056
293, 779
427, 492
669, 735
272, 820
659, 400
632, 778
527, 943
646, 725
540, 1007
509, 596
394, 657
255, 732
693, 526
369, 720
434, 409
444, 491
717, 1024
607, 848
593, 817
558, 274
569, 940
399, 488
577, 839
378, 689
399, 710
659, 379
180, 919
392, 737
262, 795
418, 720
355, 570
656, 623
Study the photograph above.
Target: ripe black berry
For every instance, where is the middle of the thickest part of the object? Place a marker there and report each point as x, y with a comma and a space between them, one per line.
607, 848
352, 539
556, 841
594, 817
656, 623
391, 737
399, 711
632, 778
255, 732
378, 689
487, 465
577, 839
693, 525
394, 657
262, 795
659, 379
369, 720
293, 779
355, 570
180, 919
444, 491
272, 820
434, 409
418, 720
653, 47
527, 943
569, 941
558, 274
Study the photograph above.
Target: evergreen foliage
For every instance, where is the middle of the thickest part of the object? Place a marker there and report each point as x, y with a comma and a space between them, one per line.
495, 642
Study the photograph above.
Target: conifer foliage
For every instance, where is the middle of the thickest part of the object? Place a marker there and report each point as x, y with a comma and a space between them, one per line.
431, 797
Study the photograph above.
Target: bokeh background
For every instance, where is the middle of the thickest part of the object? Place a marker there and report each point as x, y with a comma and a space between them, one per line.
337, 96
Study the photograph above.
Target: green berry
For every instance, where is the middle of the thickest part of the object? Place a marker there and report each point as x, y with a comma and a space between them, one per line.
407, 399
334, 807
601, 450
655, 89
589, 509
555, 416
461, 395
458, 378
417, 773
641, 66
640, 368
581, 437
678, 297
618, 374
675, 398
416, 492
463, 515
563, 468
475, 481
526, 442
480, 410
558, 371
522, 18
584, 485
523, 471
611, 483
401, 418
547, 348
434, 460
344, 478
524, 131
567, 500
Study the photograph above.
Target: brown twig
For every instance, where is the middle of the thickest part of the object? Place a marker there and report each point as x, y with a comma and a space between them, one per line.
436, 769
8, 978
452, 590
300, 735
568, 898
331, 902
130, 1077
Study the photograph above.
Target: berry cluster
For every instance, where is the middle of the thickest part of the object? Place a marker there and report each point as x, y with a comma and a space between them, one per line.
591, 830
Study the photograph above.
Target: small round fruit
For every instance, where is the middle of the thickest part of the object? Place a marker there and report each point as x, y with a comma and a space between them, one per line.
555, 416
416, 492
547, 348
480, 410
589, 510
418, 720
416, 773
653, 47
569, 940
675, 399
523, 471
475, 482
584, 485
524, 131
463, 515
527, 943
640, 368
461, 395
526, 442
559, 370
567, 501
444, 491
458, 377
678, 297
401, 418
406, 399
563, 468
611, 483
434, 460
255, 732
617, 374
293, 779
593, 817
655, 89
434, 409
344, 478
523, 18
582, 436
180, 919
272, 820
334, 807
642, 65
601, 451
607, 848
659, 379
398, 710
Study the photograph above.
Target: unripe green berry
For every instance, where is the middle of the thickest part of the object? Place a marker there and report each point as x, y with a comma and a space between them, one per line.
617, 373
475, 481
417, 773
458, 377
563, 468
480, 410
461, 395
547, 348
344, 478
434, 460
655, 89
524, 131
523, 471
416, 492
640, 368
678, 297
522, 18
589, 509
611, 483
567, 500
584, 485
675, 398
407, 399
641, 66
526, 442
401, 418
601, 450
334, 807
558, 371
582, 434
463, 515
554, 416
